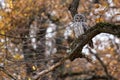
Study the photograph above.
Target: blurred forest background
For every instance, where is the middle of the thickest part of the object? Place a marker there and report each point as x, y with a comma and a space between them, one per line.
35, 34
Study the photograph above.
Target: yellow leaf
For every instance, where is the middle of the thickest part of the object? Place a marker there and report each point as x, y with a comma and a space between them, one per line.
11, 4
29, 78
18, 56
34, 67
3, 32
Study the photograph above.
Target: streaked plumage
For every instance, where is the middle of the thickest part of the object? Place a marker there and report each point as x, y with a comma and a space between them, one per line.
79, 26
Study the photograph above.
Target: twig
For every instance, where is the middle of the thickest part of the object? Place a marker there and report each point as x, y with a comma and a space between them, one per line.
109, 77
15, 37
51, 68
6, 72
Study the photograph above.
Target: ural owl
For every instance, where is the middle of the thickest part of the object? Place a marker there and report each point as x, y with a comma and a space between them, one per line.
80, 26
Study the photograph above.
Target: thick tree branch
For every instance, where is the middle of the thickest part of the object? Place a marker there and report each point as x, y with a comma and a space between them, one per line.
79, 43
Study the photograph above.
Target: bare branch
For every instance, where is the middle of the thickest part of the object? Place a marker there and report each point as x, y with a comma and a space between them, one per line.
53, 67
73, 7
102, 64
6, 72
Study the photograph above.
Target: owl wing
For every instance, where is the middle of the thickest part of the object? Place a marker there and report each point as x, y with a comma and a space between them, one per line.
85, 26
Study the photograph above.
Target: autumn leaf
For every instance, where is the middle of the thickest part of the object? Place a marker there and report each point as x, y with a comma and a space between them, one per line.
18, 56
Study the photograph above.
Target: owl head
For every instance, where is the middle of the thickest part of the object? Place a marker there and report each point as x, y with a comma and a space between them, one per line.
79, 18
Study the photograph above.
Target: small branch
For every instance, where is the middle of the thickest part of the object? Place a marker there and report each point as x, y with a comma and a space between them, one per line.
101, 62
73, 7
15, 37
103, 65
53, 67
7, 73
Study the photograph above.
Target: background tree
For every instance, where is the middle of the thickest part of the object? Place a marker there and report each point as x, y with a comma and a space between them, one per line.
35, 39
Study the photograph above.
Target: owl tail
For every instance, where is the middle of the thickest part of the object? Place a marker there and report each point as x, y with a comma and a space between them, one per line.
90, 43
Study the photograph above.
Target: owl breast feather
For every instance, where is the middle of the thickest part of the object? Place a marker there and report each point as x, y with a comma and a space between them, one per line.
78, 29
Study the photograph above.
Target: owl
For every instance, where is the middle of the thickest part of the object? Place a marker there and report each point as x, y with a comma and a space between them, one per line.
80, 26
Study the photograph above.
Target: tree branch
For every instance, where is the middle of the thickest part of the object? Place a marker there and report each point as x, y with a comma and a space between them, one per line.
80, 42
6, 72
108, 76
73, 7
51, 68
